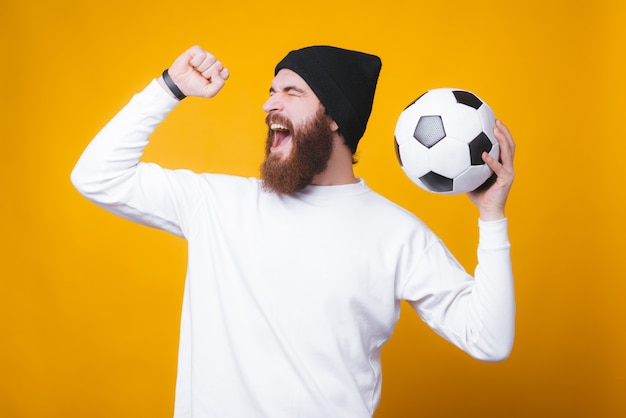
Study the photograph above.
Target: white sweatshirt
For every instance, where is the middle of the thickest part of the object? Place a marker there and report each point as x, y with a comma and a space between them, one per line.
289, 299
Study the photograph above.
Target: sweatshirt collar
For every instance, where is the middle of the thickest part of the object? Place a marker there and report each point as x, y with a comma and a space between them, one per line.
333, 192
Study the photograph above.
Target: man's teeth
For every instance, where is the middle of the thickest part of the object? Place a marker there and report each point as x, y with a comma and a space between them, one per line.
278, 127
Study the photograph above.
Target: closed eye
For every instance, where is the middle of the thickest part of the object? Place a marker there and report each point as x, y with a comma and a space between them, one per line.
294, 91
289, 90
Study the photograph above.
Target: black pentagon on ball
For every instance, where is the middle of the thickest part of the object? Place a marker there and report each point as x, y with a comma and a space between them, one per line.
429, 130
437, 182
467, 98
397, 147
479, 145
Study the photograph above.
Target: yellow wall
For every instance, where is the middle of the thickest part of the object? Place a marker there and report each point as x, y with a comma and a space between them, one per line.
89, 304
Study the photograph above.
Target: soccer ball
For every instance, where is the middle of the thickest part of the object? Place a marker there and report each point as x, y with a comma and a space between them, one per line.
440, 138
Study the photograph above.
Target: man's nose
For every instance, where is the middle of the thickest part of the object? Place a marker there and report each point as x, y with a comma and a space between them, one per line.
273, 103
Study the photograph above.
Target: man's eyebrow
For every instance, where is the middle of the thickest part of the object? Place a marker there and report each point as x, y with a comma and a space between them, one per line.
287, 89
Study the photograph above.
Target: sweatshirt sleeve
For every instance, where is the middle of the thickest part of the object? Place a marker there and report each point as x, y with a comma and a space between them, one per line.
477, 314
110, 174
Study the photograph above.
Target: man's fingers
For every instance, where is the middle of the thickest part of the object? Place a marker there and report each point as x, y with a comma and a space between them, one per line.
199, 73
507, 145
197, 56
224, 73
206, 64
494, 164
213, 70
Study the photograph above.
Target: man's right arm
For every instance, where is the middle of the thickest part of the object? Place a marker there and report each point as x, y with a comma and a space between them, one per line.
109, 171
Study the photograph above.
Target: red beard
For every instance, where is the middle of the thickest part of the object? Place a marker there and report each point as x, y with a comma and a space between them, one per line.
311, 150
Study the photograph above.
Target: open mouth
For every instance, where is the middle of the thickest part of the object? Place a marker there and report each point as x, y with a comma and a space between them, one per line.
282, 136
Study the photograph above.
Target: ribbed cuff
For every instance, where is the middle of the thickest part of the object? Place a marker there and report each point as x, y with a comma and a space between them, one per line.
493, 234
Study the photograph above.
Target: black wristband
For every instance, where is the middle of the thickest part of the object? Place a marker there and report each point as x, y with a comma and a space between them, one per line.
172, 86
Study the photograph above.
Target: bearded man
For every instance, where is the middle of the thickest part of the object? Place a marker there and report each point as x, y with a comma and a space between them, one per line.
295, 280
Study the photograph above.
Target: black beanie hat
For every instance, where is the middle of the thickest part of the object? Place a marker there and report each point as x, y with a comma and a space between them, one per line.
344, 81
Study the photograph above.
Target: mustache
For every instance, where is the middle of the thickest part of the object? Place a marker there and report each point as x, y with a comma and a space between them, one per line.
279, 119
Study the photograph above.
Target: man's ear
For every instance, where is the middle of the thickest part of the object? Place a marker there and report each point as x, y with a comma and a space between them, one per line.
333, 126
